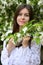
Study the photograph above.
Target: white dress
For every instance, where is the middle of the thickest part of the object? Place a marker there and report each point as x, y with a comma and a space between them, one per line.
22, 56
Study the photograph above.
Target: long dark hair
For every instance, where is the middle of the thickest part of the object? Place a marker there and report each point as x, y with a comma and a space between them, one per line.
19, 8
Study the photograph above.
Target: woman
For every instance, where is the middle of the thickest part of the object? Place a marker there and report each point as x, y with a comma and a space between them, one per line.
29, 52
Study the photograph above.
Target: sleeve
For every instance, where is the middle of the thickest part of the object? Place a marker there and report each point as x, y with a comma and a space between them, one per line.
4, 55
5, 58
35, 54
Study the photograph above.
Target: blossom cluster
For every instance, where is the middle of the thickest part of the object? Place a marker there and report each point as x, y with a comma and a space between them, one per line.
28, 29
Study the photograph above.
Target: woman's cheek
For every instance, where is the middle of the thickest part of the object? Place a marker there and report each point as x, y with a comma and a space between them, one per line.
27, 19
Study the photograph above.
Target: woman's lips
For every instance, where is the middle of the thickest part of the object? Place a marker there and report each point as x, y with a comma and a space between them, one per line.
22, 21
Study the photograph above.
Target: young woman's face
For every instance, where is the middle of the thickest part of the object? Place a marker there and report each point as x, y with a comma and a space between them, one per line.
23, 17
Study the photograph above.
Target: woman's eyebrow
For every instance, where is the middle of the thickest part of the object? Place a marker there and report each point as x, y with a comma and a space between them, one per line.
23, 12
26, 13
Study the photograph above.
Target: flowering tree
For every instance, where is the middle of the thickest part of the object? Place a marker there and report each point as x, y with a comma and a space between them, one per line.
7, 9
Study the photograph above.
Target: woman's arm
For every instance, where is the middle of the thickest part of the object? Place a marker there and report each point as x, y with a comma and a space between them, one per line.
4, 57
6, 52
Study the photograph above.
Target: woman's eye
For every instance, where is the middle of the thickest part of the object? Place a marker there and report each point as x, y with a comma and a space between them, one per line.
20, 14
26, 15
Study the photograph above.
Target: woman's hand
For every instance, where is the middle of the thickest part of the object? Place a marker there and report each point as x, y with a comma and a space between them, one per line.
26, 39
10, 45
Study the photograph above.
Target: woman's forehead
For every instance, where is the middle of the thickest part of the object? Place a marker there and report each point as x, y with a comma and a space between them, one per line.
24, 10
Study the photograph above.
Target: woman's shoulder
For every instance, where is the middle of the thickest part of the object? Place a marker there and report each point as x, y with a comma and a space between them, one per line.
35, 48
15, 49
35, 45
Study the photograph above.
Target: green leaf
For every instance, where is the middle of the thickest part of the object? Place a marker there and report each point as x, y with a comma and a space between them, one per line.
37, 40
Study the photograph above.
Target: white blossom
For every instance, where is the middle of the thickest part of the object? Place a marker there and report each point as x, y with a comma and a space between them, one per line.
39, 2
34, 37
39, 28
9, 31
28, 34
28, 1
19, 39
41, 33
2, 37
24, 29
18, 35
4, 29
3, 10
4, 2
41, 10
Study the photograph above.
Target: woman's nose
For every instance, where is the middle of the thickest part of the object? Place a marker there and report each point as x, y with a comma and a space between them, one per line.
23, 17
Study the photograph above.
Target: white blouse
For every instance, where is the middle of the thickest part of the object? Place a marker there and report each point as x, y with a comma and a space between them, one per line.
21, 55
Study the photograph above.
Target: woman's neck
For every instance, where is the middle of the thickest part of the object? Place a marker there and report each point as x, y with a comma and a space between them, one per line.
26, 44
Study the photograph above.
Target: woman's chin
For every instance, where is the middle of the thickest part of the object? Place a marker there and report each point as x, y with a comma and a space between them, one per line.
21, 24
